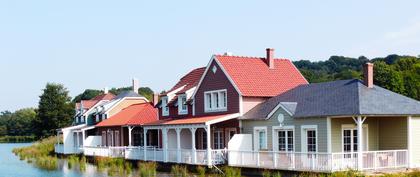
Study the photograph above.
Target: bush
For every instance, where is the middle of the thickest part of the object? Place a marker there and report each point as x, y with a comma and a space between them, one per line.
83, 163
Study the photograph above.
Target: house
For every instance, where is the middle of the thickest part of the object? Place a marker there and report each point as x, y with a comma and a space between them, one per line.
124, 129
84, 133
73, 136
199, 115
331, 126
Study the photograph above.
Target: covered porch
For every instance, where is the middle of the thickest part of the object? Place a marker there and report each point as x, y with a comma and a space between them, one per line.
70, 140
198, 140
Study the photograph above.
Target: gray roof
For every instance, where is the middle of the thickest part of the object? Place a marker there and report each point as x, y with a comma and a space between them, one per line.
337, 98
128, 94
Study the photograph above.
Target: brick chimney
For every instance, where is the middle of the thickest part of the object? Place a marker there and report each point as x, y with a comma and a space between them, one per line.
155, 99
270, 58
368, 75
136, 85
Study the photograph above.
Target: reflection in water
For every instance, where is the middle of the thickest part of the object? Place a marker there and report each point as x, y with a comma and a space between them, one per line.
11, 166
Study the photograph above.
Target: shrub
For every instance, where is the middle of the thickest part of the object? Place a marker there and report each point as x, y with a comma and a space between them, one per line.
83, 163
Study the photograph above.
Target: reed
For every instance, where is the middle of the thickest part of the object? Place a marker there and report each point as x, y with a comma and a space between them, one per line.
46, 162
82, 164
201, 171
179, 171
147, 169
232, 172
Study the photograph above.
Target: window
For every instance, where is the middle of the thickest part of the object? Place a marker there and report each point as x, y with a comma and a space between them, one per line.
262, 140
83, 119
165, 108
97, 117
311, 140
215, 101
218, 142
137, 138
109, 139
349, 138
182, 104
285, 140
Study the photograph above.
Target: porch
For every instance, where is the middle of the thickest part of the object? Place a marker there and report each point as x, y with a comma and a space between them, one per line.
318, 162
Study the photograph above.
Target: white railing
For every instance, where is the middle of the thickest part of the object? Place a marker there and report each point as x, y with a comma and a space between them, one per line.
59, 148
385, 159
96, 151
134, 153
319, 162
117, 151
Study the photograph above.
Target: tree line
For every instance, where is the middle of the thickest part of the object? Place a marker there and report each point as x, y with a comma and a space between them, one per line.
400, 74
55, 110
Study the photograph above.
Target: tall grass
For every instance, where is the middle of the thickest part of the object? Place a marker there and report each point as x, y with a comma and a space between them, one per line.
179, 171
147, 169
201, 171
232, 171
268, 173
42, 152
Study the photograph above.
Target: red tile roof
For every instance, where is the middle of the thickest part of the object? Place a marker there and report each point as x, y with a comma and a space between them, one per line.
188, 120
87, 104
137, 114
253, 77
190, 80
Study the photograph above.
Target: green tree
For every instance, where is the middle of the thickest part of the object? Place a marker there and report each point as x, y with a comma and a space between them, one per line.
55, 110
21, 122
87, 95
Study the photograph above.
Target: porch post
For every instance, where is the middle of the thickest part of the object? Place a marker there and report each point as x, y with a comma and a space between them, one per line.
360, 143
409, 143
130, 128
194, 156
144, 143
165, 144
83, 138
208, 133
178, 145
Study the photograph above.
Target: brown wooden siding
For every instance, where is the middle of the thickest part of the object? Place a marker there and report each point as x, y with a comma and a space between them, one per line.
216, 81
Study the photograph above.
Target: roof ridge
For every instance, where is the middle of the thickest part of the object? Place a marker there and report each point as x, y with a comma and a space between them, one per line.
250, 57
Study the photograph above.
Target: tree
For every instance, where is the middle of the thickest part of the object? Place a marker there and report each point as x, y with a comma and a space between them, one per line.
55, 110
87, 95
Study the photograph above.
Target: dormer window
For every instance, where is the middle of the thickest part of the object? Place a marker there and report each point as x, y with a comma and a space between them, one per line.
215, 101
182, 104
165, 108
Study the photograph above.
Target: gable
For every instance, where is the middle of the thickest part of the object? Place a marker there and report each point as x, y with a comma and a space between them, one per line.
215, 79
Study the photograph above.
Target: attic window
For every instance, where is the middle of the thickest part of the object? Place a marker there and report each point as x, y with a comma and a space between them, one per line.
214, 69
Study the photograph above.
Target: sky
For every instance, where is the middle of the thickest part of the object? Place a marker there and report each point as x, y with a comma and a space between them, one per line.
98, 43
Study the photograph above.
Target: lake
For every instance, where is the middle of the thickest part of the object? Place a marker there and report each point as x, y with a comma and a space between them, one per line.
11, 166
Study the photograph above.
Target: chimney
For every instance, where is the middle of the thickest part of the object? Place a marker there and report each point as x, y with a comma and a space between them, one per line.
270, 58
135, 85
155, 99
106, 90
368, 75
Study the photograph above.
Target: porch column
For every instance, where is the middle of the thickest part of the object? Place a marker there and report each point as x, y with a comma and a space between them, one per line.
165, 144
144, 143
58, 137
208, 133
359, 123
83, 137
194, 153
130, 129
178, 145
409, 143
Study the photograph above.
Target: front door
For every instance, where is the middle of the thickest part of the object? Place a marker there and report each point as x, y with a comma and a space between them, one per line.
218, 139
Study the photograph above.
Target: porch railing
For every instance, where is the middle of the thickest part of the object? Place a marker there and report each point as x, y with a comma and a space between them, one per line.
320, 162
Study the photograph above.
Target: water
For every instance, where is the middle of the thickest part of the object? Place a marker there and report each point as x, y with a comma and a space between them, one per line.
11, 166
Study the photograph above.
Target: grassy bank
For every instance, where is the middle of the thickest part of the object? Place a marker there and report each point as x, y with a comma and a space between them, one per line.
17, 139
41, 152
